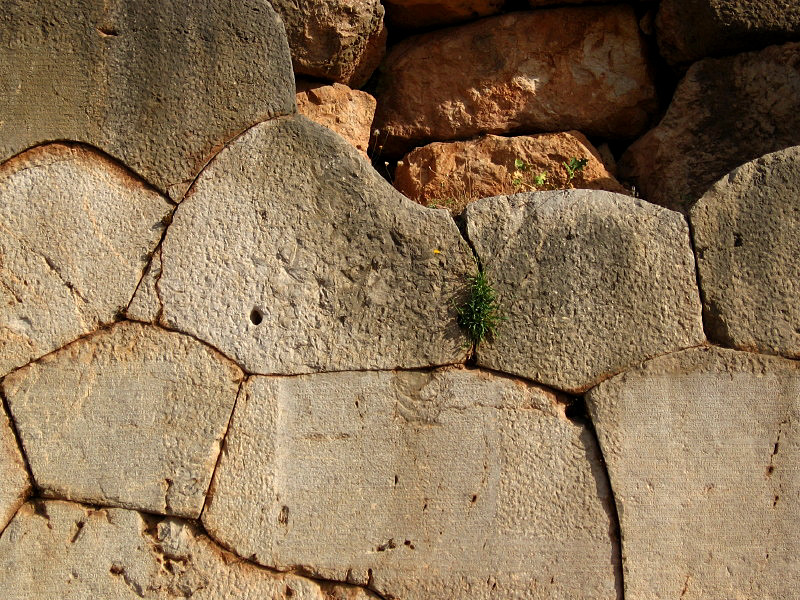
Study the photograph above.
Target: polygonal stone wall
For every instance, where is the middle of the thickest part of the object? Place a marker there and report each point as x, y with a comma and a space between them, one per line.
232, 354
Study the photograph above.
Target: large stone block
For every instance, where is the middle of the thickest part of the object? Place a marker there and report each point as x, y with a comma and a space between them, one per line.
747, 237
451, 484
589, 282
453, 174
158, 85
55, 549
703, 448
584, 68
692, 29
76, 231
132, 416
339, 40
292, 255
14, 482
725, 112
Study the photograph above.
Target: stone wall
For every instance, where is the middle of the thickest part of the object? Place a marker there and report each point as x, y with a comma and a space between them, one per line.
231, 364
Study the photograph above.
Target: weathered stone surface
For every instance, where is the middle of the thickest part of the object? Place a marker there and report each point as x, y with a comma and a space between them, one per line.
703, 448
158, 85
14, 482
412, 14
292, 255
451, 175
725, 113
347, 112
75, 232
692, 29
342, 40
59, 549
747, 237
585, 69
451, 484
131, 416
146, 305
590, 282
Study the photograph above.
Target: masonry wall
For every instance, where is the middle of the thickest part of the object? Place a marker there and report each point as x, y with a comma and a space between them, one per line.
239, 248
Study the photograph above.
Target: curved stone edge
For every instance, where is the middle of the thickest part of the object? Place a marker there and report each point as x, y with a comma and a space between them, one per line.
286, 262
135, 101
493, 226
120, 551
77, 225
745, 230
662, 528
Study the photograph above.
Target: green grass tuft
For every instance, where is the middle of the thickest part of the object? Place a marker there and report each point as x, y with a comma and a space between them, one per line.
480, 315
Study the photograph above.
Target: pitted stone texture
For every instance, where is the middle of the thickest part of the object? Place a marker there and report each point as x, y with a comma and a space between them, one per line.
347, 112
339, 40
158, 85
590, 282
292, 255
747, 238
75, 234
57, 549
703, 448
584, 69
132, 416
412, 14
451, 484
451, 175
14, 482
724, 113
691, 29
146, 305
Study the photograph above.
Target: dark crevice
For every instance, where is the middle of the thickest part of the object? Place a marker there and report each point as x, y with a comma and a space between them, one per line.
166, 222
15, 430
604, 480
713, 328
222, 448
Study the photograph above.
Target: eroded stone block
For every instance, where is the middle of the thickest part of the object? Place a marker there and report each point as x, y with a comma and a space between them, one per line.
450, 484
131, 416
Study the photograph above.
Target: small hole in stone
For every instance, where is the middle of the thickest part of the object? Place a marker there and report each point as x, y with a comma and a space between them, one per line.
474, 498
289, 592
256, 316
737, 240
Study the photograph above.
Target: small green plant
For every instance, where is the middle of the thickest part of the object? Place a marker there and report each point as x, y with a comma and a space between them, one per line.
573, 167
480, 315
523, 177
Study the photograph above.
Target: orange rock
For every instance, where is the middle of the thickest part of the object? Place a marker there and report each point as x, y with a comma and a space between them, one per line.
347, 112
340, 40
546, 70
451, 175
425, 13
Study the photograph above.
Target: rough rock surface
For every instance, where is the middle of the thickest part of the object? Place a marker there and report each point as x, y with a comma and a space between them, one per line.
747, 237
451, 175
413, 14
341, 40
57, 549
691, 29
724, 113
585, 69
75, 233
590, 282
14, 482
318, 263
451, 484
146, 305
158, 85
703, 448
131, 416
347, 112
